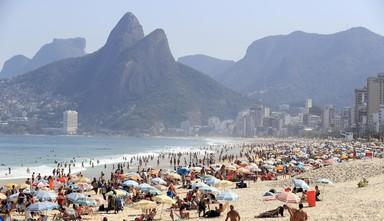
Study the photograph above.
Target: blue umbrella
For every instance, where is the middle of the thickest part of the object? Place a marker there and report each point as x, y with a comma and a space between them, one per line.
46, 196
144, 186
41, 206
158, 180
151, 190
198, 185
209, 189
130, 183
212, 181
73, 197
227, 196
183, 171
85, 202
300, 184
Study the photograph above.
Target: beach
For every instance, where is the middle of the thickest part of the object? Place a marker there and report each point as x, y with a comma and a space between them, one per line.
342, 200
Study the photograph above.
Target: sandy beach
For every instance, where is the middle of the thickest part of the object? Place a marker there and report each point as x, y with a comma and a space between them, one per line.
342, 200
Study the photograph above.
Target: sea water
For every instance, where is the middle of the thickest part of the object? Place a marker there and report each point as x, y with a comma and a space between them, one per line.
40, 154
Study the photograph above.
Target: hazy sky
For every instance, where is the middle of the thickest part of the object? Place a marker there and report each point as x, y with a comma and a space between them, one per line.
218, 28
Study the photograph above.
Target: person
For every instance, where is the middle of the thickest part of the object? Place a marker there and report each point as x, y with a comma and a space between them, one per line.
214, 213
297, 214
317, 193
232, 215
272, 213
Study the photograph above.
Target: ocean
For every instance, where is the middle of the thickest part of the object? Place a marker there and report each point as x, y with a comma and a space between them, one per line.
40, 154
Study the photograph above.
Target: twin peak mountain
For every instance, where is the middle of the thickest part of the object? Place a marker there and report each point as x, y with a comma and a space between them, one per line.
133, 81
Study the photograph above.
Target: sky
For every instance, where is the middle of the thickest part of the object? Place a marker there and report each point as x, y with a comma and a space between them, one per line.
219, 28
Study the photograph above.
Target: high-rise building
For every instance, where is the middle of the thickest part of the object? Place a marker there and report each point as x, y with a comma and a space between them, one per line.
328, 118
346, 118
308, 105
375, 87
70, 124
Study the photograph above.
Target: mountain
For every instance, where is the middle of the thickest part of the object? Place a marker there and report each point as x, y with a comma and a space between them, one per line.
208, 65
290, 68
56, 50
132, 82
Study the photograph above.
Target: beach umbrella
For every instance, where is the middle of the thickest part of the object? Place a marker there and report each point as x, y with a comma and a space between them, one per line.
288, 197
13, 197
227, 196
209, 189
198, 185
164, 199
85, 186
86, 202
174, 176
10, 185
133, 176
130, 183
152, 190
300, 184
84, 180
23, 186
231, 167
40, 184
243, 171
224, 184
98, 198
62, 179
144, 186
117, 193
75, 196
207, 177
158, 180
2, 196
324, 181
252, 168
46, 196
42, 206
212, 181
197, 169
183, 171
144, 204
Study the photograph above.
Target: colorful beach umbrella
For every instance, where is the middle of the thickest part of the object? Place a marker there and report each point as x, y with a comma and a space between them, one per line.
227, 196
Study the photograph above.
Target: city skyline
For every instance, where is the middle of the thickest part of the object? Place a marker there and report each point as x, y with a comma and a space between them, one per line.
27, 26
